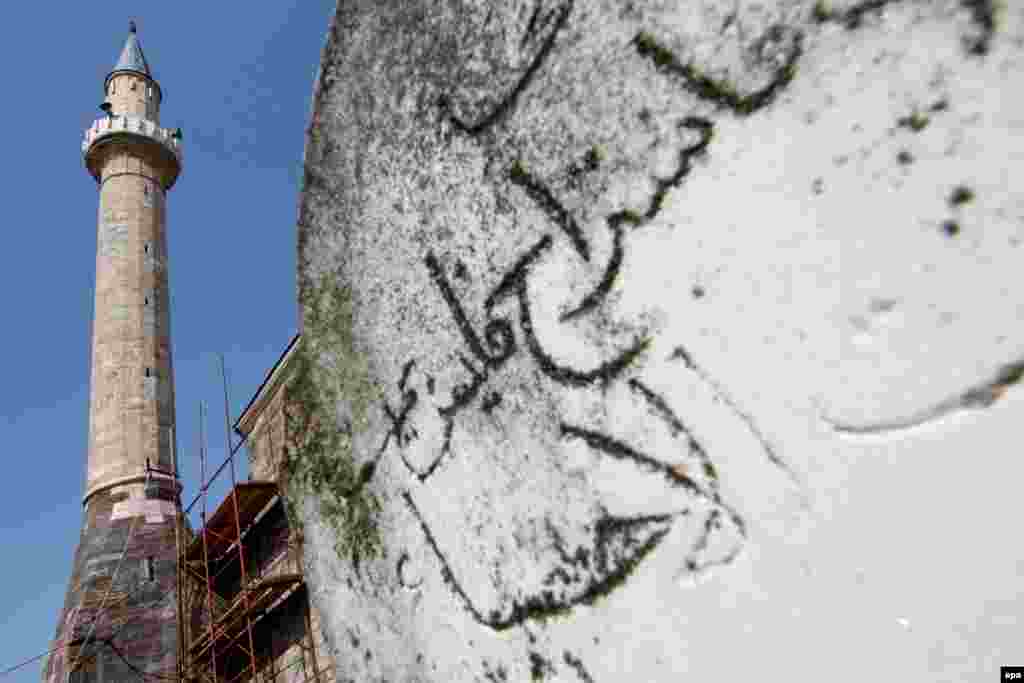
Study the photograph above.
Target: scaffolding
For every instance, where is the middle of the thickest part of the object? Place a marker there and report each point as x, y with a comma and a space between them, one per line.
239, 577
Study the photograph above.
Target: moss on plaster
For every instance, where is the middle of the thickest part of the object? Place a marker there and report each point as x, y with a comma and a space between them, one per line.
320, 459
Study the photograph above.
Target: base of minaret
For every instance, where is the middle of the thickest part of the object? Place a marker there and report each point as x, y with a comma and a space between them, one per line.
119, 616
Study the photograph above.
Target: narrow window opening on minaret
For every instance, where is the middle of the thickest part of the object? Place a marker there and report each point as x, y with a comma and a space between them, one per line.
150, 568
148, 372
145, 247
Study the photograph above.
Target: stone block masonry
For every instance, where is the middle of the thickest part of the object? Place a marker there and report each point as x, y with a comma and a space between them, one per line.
121, 595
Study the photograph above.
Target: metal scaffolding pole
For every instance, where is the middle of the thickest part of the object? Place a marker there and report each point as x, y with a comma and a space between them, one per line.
236, 613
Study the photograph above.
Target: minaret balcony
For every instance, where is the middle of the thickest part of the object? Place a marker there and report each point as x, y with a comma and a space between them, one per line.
107, 128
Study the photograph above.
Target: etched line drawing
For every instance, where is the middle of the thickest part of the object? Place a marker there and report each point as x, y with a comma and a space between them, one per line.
400, 571
976, 42
492, 352
611, 272
639, 535
555, 21
577, 665
721, 93
587, 570
497, 332
619, 543
545, 199
976, 397
676, 476
712, 523
851, 17
680, 353
402, 432
659, 406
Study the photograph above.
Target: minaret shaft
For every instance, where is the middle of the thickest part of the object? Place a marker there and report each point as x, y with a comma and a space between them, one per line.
120, 613
132, 395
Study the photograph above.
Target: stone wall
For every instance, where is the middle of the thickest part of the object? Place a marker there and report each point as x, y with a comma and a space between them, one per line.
131, 418
119, 608
292, 647
663, 340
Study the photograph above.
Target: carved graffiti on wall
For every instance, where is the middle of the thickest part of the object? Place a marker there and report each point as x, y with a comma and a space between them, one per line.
595, 557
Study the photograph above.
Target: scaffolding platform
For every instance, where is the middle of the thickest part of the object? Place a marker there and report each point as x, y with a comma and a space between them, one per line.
220, 531
243, 605
261, 599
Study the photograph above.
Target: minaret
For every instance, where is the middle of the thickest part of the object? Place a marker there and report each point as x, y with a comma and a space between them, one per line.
119, 616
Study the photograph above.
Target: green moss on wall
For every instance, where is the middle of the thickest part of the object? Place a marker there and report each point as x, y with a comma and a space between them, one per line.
319, 458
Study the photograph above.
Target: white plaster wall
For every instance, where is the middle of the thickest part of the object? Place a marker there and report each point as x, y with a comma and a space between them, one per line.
808, 472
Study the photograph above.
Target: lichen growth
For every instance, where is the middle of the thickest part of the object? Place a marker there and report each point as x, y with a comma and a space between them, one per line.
916, 121
822, 12
319, 458
593, 158
631, 217
518, 171
961, 195
1010, 374
648, 45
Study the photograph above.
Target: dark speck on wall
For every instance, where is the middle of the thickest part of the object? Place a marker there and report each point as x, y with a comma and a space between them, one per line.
961, 195
915, 122
904, 157
698, 292
951, 228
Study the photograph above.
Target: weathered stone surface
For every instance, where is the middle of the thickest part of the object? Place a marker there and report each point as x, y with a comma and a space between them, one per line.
119, 611
660, 339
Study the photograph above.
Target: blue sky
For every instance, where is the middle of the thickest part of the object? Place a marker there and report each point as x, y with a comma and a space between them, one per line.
237, 78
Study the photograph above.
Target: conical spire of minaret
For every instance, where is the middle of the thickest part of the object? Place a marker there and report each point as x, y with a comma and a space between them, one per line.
132, 58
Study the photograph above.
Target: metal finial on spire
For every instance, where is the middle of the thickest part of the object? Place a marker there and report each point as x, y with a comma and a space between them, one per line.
131, 26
